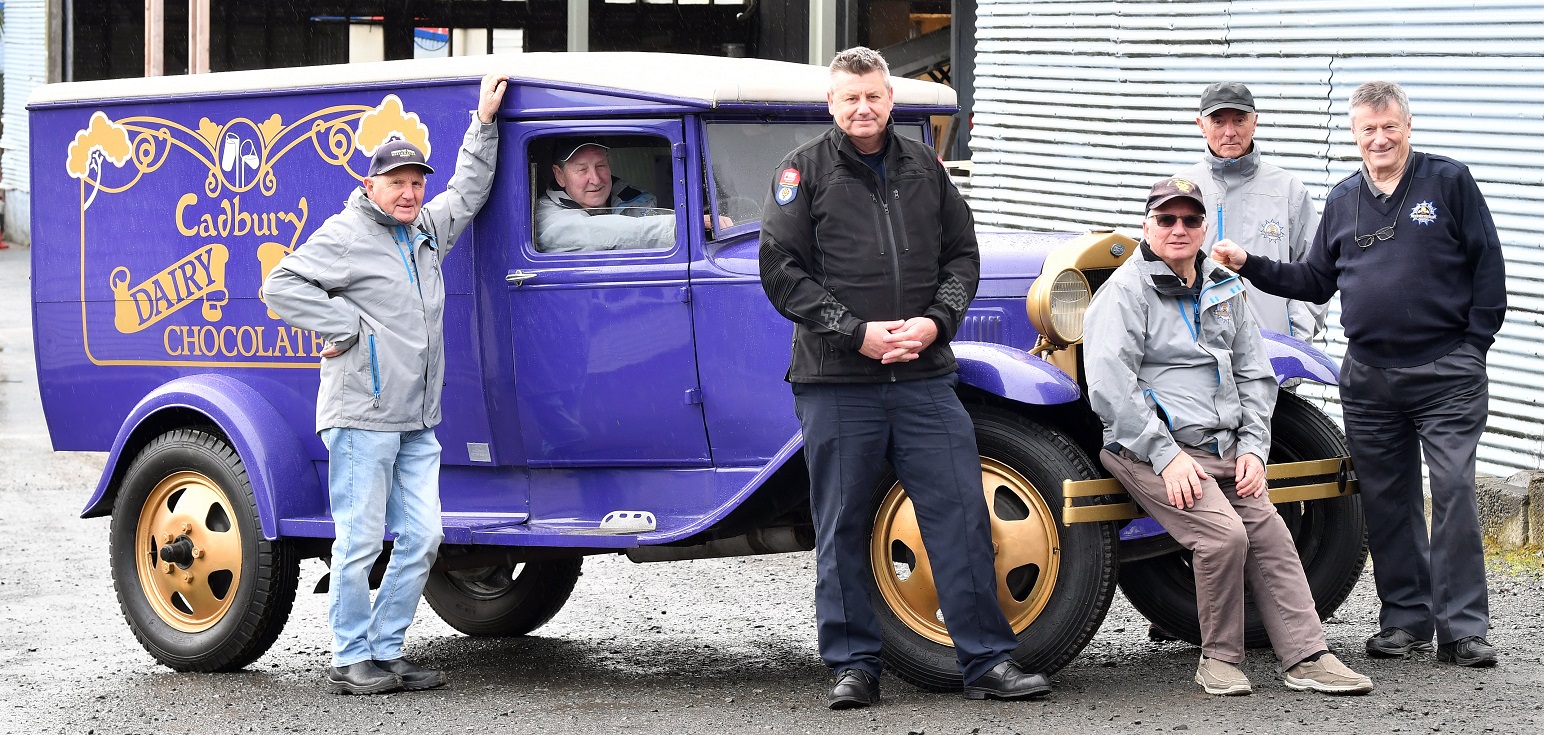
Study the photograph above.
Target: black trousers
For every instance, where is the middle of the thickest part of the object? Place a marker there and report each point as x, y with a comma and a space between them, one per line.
1393, 416
919, 426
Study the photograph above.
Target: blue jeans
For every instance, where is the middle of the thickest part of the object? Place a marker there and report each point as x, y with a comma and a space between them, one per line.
380, 480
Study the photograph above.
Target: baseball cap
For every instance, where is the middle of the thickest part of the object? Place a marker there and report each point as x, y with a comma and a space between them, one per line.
1168, 189
395, 155
565, 149
1226, 96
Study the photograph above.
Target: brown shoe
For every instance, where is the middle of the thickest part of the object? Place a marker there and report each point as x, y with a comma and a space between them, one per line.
1222, 678
1327, 675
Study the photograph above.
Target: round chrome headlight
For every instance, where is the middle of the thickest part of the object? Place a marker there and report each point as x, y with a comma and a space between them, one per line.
1056, 306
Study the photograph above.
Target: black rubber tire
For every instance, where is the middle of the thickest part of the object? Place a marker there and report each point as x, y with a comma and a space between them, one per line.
505, 608
270, 570
1331, 537
1085, 581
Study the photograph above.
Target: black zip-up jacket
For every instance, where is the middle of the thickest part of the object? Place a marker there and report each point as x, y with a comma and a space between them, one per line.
841, 251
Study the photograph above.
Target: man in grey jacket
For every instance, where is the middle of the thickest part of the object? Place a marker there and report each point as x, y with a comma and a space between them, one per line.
1177, 371
369, 282
1258, 206
592, 210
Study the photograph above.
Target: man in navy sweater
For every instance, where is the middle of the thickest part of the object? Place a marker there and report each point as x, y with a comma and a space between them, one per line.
1410, 245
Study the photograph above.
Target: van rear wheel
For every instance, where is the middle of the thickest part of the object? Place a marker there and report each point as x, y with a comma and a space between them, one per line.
502, 601
201, 588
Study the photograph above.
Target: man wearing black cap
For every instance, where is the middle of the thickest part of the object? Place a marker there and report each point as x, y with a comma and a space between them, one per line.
1178, 373
592, 210
369, 282
1258, 206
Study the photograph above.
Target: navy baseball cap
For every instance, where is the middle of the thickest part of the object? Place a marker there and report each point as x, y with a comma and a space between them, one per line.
395, 155
565, 149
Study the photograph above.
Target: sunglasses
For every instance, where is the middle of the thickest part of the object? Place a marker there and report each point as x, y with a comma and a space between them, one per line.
1192, 221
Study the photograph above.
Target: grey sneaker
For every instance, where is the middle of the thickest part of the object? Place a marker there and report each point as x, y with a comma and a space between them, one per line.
1327, 675
1221, 677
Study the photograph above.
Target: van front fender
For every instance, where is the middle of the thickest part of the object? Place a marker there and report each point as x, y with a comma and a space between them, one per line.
1013, 374
1294, 358
269, 449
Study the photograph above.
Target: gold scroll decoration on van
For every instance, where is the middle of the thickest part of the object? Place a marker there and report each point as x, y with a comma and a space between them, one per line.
199, 276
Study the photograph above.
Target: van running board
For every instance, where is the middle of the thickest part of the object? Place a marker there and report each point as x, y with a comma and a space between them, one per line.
1317, 479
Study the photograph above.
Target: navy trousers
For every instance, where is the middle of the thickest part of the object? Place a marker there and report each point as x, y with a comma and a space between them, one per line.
919, 426
1393, 416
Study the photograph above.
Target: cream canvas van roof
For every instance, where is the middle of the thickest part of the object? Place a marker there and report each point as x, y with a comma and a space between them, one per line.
712, 80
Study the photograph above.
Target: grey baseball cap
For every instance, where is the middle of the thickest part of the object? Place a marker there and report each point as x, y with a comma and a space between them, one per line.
1226, 96
395, 155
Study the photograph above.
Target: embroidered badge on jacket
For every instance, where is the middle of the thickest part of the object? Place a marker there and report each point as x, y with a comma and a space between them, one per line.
1223, 311
1273, 231
1424, 213
787, 186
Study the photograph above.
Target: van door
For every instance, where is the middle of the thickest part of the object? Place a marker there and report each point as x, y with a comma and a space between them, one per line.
605, 365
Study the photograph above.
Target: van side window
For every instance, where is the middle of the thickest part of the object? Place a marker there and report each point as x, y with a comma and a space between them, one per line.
602, 193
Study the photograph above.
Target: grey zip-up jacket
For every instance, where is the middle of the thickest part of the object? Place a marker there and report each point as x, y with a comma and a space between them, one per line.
632, 220
1169, 363
1268, 212
373, 287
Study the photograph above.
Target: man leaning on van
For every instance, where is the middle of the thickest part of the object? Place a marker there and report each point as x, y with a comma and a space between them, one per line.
369, 281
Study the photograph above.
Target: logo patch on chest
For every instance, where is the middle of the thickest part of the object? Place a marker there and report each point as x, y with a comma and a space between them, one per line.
1273, 231
1423, 213
1223, 311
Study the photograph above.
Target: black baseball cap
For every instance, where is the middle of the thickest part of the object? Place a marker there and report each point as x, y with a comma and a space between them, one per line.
395, 155
1226, 96
1169, 189
566, 148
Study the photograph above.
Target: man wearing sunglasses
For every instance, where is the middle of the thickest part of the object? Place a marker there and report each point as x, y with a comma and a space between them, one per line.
1178, 373
1256, 205
1409, 243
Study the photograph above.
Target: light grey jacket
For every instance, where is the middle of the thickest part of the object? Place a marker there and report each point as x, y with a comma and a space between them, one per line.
1268, 212
632, 222
1171, 364
373, 287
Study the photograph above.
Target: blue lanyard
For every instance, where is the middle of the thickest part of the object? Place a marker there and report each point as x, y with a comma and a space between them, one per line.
400, 236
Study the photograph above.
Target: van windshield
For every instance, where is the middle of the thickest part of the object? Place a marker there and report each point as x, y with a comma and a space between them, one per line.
744, 156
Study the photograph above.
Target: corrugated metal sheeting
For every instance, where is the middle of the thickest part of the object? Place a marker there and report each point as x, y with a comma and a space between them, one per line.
26, 58
1080, 106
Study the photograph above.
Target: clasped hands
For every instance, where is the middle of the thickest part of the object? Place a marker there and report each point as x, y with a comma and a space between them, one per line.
898, 341
1183, 475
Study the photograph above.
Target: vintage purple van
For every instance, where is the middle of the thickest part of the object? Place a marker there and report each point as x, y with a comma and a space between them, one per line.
626, 401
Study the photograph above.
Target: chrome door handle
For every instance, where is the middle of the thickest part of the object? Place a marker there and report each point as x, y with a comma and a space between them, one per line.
519, 277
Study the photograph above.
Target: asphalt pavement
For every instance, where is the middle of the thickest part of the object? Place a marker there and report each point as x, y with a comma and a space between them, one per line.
712, 646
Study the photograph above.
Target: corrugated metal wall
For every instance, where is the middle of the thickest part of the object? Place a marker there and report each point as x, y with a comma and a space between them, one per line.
1081, 105
26, 58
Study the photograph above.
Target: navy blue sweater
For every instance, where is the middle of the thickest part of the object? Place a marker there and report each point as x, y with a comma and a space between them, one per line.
1408, 300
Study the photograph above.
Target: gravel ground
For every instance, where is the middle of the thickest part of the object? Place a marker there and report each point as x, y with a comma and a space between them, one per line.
724, 645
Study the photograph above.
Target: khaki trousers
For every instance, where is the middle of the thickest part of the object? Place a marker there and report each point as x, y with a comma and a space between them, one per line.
1233, 539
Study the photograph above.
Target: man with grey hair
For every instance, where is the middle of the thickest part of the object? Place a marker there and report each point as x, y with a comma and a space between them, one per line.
1259, 206
873, 377
1409, 243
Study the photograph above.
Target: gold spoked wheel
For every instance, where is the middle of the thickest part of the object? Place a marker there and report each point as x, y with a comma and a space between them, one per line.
1024, 537
189, 551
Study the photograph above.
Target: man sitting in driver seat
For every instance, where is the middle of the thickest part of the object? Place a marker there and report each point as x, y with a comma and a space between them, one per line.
592, 210
1178, 373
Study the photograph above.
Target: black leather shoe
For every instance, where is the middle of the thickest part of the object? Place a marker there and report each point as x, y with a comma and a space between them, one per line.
853, 689
414, 677
1007, 681
1472, 651
362, 678
1395, 643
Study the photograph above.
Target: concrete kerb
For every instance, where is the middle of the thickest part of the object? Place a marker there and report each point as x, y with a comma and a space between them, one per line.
1511, 508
